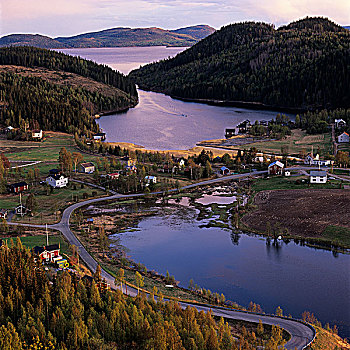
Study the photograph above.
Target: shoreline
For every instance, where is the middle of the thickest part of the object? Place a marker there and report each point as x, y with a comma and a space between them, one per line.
180, 153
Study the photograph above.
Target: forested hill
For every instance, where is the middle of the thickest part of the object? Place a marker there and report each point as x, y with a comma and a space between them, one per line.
54, 91
305, 65
115, 37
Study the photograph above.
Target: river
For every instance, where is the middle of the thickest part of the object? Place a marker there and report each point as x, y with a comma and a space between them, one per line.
159, 122
243, 267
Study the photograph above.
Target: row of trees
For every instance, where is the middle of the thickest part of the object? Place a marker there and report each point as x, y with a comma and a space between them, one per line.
304, 65
318, 122
74, 314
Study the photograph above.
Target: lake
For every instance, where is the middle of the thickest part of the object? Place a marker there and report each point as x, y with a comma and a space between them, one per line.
159, 122
245, 268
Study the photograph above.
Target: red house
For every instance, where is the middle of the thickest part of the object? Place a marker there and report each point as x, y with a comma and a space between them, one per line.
18, 187
48, 253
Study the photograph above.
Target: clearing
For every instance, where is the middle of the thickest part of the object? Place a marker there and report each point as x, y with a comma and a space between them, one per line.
317, 213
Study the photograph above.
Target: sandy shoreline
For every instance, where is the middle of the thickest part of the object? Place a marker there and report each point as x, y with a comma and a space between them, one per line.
178, 153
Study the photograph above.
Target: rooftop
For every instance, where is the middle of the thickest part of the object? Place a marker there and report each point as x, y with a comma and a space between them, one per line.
318, 173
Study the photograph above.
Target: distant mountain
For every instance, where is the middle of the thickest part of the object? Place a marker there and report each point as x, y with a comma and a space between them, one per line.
304, 65
37, 40
115, 37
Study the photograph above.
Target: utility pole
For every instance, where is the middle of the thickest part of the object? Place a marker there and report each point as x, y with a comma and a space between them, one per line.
20, 203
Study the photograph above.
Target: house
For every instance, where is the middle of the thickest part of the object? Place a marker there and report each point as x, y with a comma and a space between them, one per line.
309, 160
320, 162
151, 179
230, 132
21, 210
224, 171
37, 134
57, 180
54, 171
114, 176
49, 253
87, 168
3, 214
339, 123
100, 136
131, 168
344, 137
180, 162
8, 129
244, 126
18, 187
275, 168
318, 177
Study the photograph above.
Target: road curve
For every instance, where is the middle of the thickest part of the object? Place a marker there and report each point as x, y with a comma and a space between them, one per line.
301, 333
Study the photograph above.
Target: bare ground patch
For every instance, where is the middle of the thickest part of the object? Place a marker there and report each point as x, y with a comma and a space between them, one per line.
304, 212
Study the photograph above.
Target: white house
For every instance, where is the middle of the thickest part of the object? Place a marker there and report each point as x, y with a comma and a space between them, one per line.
37, 134
100, 136
151, 179
318, 177
57, 180
339, 123
87, 168
310, 160
344, 137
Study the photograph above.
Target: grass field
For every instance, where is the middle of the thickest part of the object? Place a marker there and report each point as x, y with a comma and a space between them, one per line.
40, 240
337, 234
47, 205
289, 183
299, 141
46, 151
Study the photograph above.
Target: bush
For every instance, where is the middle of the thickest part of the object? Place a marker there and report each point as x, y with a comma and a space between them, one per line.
85, 195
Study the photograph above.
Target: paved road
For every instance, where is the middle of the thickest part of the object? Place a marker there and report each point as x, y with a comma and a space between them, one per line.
301, 334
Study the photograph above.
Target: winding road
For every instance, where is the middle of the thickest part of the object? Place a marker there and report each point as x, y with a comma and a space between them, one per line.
302, 334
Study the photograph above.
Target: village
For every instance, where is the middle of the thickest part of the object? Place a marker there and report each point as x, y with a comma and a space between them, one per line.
57, 170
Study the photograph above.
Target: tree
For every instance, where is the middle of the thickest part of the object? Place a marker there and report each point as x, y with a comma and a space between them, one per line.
279, 311
342, 158
139, 281
31, 203
77, 158
119, 279
260, 328
97, 274
65, 160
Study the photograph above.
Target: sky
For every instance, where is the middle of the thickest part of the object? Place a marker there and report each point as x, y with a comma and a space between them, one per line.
71, 17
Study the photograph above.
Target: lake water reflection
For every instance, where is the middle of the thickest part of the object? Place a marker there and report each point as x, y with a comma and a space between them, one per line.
245, 268
158, 121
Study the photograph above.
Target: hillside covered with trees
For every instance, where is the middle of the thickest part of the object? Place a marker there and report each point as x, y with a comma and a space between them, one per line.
114, 37
67, 312
57, 92
304, 65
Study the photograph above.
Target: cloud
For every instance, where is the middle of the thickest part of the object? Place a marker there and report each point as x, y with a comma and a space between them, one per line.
68, 17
